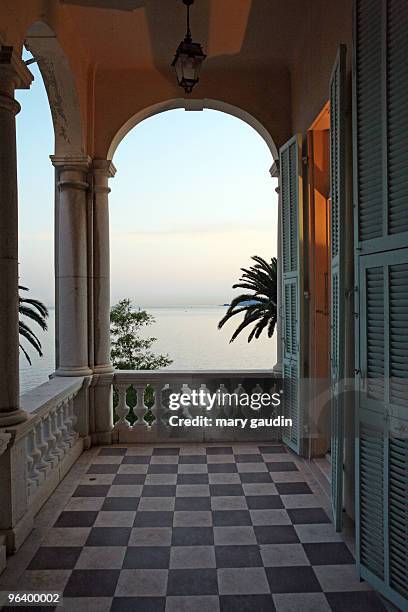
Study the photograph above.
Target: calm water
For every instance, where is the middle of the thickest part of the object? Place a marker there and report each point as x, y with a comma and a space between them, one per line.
188, 334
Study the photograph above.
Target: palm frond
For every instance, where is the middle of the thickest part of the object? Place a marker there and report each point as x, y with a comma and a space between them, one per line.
35, 311
247, 321
248, 309
261, 279
34, 316
30, 336
39, 306
27, 356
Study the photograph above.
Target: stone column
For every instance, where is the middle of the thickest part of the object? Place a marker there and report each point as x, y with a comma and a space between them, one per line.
102, 171
72, 265
101, 391
13, 75
275, 173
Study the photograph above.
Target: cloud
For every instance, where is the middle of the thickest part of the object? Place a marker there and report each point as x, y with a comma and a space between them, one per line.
229, 230
24, 236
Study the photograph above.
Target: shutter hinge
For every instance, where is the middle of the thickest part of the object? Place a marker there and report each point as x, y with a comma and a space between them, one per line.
305, 160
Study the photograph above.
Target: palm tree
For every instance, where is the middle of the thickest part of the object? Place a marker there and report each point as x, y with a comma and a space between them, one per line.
260, 306
36, 311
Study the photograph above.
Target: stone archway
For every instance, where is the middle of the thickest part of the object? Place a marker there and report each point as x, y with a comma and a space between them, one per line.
193, 105
71, 216
246, 117
59, 83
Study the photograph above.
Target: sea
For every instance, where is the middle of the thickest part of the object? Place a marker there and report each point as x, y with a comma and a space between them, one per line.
188, 334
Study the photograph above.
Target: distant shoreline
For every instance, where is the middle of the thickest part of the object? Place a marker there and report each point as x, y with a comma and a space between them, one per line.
171, 306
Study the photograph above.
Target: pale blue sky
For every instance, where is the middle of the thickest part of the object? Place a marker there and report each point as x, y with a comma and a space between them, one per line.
192, 200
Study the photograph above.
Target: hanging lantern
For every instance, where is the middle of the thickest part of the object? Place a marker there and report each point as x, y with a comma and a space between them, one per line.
189, 58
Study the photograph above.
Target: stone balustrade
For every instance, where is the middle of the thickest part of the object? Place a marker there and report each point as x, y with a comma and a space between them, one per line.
149, 406
51, 437
145, 405
37, 454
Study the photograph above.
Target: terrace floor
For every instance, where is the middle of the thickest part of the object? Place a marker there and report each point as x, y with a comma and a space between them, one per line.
190, 528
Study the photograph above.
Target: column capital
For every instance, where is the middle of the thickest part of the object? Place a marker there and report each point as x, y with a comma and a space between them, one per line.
14, 74
71, 162
73, 171
9, 103
104, 167
275, 169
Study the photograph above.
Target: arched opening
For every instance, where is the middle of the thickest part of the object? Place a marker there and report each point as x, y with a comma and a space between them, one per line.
191, 202
193, 105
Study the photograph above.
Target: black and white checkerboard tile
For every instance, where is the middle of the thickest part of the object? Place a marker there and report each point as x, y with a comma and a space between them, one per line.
195, 528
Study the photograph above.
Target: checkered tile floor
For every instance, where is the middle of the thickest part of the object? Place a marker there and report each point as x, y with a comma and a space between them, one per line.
195, 528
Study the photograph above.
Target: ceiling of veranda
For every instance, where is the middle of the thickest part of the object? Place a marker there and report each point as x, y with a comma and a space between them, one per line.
248, 32
270, 58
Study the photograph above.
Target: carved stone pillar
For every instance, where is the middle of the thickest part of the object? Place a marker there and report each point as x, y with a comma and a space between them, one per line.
13, 75
102, 170
71, 244
101, 391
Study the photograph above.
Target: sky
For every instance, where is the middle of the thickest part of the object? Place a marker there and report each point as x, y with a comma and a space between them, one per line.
191, 202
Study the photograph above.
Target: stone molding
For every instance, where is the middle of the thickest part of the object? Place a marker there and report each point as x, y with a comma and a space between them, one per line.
4, 440
71, 162
14, 73
72, 171
274, 170
9, 104
104, 166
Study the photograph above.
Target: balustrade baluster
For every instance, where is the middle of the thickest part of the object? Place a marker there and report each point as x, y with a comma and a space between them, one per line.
249, 411
73, 419
204, 400
225, 405
122, 409
186, 410
237, 408
51, 440
61, 444
157, 409
42, 447
31, 481
66, 419
140, 409
35, 455
63, 427
58, 452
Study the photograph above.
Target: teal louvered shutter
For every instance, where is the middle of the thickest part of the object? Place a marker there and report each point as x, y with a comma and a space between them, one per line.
382, 458
337, 246
380, 126
291, 239
370, 532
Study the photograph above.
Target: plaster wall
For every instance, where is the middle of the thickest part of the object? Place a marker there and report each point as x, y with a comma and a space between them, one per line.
326, 25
